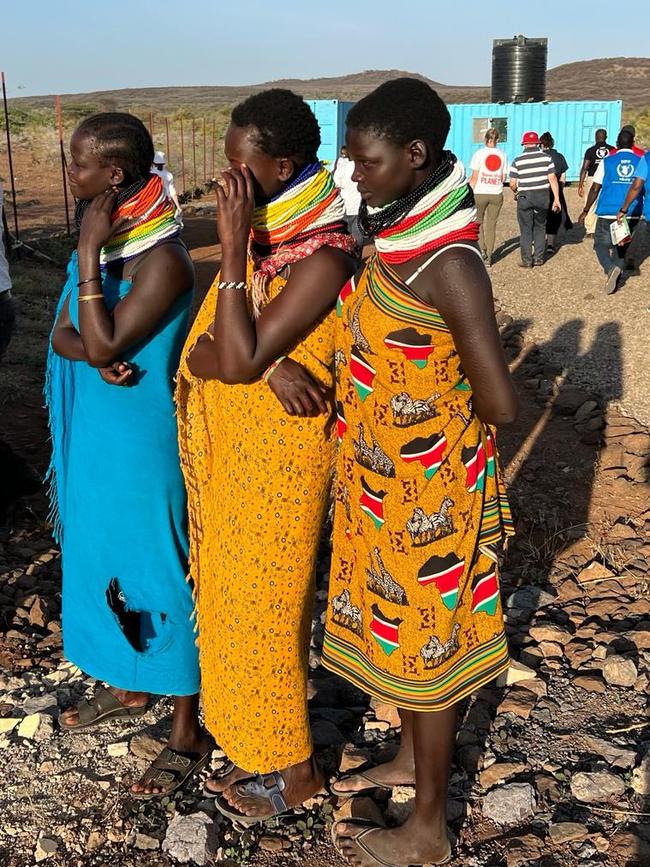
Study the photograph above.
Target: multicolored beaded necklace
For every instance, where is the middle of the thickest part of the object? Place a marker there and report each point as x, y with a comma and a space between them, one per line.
308, 214
151, 219
438, 212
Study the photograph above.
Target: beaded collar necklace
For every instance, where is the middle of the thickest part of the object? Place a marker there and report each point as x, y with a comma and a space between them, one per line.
438, 212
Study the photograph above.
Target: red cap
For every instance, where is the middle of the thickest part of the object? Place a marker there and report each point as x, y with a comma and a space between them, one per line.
530, 138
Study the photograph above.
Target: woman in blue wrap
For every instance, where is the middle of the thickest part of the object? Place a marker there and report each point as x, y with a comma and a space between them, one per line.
118, 497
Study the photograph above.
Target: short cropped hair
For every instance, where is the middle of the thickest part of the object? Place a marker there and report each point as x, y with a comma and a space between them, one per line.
403, 110
285, 125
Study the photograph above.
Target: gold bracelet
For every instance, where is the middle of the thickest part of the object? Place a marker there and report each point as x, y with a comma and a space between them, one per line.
91, 297
209, 335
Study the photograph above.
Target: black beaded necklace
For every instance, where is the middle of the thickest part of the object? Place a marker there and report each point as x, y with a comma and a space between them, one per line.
372, 224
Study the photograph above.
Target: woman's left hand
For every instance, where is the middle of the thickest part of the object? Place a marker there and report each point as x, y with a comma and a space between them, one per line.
235, 202
96, 226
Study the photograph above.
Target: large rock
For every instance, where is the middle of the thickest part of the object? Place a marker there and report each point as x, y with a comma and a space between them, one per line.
613, 754
641, 777
190, 838
530, 597
508, 805
619, 671
567, 832
36, 726
498, 772
519, 702
592, 788
145, 747
549, 632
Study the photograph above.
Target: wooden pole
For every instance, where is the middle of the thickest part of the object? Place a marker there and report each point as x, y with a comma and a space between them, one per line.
194, 151
11, 163
151, 124
205, 165
182, 155
167, 138
213, 130
59, 123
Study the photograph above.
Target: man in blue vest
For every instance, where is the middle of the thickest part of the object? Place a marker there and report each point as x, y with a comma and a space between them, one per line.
640, 187
611, 185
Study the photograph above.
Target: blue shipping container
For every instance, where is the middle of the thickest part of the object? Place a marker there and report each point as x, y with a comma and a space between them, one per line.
572, 125
330, 114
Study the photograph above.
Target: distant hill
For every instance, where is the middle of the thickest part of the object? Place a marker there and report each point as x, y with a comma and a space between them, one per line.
607, 78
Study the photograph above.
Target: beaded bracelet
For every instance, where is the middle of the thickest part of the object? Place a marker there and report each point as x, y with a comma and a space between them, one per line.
270, 370
232, 284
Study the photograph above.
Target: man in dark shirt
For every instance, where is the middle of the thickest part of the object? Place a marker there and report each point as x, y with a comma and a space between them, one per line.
592, 159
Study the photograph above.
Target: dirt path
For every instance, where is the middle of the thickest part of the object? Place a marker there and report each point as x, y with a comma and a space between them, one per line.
547, 772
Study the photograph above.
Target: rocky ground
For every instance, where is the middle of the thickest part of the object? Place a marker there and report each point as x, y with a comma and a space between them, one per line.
552, 765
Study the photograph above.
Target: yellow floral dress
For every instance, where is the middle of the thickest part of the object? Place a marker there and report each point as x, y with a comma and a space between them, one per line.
258, 485
414, 614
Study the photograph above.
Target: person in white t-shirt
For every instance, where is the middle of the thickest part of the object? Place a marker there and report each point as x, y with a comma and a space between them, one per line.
158, 168
342, 174
490, 170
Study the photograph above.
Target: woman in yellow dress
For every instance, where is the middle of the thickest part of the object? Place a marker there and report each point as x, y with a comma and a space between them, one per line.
414, 616
257, 470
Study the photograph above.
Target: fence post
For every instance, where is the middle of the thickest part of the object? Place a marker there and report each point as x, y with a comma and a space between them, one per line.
213, 133
11, 163
182, 155
59, 124
167, 138
194, 152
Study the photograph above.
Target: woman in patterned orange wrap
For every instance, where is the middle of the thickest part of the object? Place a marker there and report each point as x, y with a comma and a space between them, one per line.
414, 616
258, 471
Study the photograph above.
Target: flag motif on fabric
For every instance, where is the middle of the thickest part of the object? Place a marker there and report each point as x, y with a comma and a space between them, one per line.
485, 592
427, 450
341, 424
345, 293
463, 385
490, 454
416, 347
372, 503
385, 630
363, 374
445, 573
475, 464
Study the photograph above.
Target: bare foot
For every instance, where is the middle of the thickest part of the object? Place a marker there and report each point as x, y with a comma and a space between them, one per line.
414, 842
400, 771
302, 782
218, 783
70, 716
195, 747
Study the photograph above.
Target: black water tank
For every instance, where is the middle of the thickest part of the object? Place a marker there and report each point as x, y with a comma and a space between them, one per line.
519, 69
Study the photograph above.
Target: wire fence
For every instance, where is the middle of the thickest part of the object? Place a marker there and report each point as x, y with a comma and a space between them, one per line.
34, 148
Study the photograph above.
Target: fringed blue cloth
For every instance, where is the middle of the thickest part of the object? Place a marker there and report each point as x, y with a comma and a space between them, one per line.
118, 510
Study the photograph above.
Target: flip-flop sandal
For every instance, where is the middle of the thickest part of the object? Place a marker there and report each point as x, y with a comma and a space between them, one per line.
218, 776
171, 767
365, 847
256, 787
357, 822
366, 777
101, 707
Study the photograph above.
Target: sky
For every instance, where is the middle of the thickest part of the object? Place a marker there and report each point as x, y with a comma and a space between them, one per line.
61, 46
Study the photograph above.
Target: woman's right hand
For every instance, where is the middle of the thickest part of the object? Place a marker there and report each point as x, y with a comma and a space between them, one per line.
118, 373
297, 391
